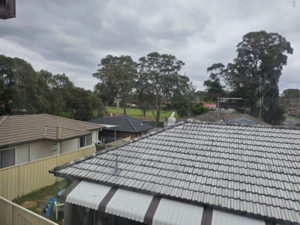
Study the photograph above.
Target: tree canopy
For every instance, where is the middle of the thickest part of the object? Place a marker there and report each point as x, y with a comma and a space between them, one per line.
257, 68
117, 75
161, 74
214, 87
25, 91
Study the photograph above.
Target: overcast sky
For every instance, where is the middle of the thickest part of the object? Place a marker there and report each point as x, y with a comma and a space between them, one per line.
71, 36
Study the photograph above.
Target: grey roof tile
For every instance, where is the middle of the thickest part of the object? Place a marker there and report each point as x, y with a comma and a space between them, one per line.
248, 169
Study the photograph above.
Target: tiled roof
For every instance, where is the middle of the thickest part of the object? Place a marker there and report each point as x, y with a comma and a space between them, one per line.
246, 169
239, 118
26, 128
125, 123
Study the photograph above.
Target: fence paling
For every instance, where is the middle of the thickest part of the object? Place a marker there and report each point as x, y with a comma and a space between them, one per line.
22, 179
13, 214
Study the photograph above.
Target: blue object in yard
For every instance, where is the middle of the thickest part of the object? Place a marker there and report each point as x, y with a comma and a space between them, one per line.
60, 192
49, 206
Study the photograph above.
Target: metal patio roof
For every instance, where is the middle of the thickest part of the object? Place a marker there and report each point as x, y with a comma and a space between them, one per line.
149, 209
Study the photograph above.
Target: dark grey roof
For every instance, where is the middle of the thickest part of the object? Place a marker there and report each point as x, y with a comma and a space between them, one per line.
125, 123
238, 118
248, 169
242, 120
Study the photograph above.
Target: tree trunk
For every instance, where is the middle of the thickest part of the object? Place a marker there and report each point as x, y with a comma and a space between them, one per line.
157, 114
117, 109
118, 104
124, 110
157, 107
144, 113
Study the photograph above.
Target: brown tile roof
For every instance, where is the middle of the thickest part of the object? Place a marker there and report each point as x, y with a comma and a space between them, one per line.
27, 128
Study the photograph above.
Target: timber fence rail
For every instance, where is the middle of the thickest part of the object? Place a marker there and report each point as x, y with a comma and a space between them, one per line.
13, 214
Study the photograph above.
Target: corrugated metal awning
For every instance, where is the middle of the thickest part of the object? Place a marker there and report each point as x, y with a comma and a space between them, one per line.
147, 209
225, 218
130, 205
88, 194
170, 212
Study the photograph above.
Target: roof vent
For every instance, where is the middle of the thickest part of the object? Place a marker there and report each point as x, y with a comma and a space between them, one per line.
171, 120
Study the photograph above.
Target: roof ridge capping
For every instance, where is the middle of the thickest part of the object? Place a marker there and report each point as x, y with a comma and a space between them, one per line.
242, 125
2, 119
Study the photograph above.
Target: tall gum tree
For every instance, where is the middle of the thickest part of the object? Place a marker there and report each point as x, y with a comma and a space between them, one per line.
162, 74
256, 70
117, 75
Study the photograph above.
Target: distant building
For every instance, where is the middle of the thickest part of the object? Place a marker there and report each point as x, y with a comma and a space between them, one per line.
193, 173
117, 127
210, 106
7, 9
25, 138
237, 118
294, 110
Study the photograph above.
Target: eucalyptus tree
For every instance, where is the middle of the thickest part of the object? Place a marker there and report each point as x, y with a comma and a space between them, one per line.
255, 72
117, 75
161, 72
214, 87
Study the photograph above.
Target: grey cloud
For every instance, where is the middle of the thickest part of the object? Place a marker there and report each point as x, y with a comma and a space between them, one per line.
72, 36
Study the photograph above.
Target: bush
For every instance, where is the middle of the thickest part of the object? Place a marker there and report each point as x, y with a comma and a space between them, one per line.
198, 109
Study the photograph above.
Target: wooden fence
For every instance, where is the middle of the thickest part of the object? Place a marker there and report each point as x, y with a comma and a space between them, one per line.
16, 181
13, 214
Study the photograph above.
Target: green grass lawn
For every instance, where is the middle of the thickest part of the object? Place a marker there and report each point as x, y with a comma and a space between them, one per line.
139, 113
36, 201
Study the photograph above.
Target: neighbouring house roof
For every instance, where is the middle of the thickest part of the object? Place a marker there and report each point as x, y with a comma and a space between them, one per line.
253, 170
21, 129
124, 123
239, 118
210, 105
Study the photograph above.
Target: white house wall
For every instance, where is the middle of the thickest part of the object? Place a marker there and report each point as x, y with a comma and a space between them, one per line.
22, 154
68, 146
95, 137
41, 149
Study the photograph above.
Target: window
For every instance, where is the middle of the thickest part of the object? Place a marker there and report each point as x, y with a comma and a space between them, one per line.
7, 158
89, 139
82, 142
85, 141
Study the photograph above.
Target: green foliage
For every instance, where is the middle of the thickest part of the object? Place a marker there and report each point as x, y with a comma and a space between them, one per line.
289, 98
19, 86
256, 70
214, 88
117, 77
198, 109
24, 91
160, 73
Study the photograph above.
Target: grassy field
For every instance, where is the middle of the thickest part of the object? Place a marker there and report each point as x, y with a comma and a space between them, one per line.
139, 113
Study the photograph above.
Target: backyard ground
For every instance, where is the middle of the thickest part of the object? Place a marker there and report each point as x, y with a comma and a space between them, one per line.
36, 201
135, 112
